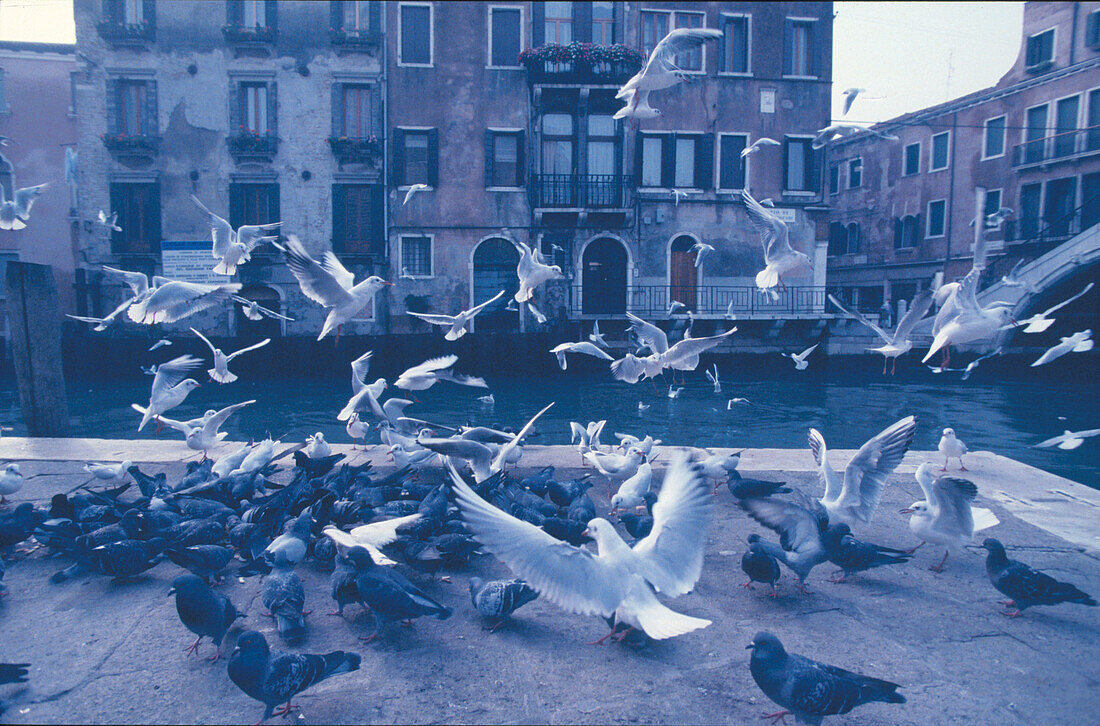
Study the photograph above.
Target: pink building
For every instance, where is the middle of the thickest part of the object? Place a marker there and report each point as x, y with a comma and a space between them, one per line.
38, 118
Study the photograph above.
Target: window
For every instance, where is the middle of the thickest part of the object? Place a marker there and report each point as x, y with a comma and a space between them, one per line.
853, 238
357, 225
558, 21
1092, 29
993, 138
652, 148
906, 232
936, 216
133, 12
603, 141
735, 44
138, 207
1030, 197
1092, 137
838, 239
557, 143
654, 28
855, 173
1066, 112
685, 161
504, 37
253, 13
992, 201
940, 148
798, 165
798, 55
676, 161
416, 158
254, 107
603, 23
912, 159
731, 167
503, 154
690, 60
253, 203
358, 113
1035, 133
834, 178
416, 35
134, 118
416, 256
1040, 49
356, 16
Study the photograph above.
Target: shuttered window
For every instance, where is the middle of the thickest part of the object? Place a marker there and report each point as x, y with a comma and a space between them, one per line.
503, 158
558, 22
731, 167
416, 35
1040, 48
690, 60
357, 218
358, 111
416, 157
603, 23
504, 37
654, 28
798, 165
798, 50
138, 208
253, 203
254, 107
735, 44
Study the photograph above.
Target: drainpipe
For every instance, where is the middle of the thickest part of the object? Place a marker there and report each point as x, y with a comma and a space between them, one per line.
950, 212
1073, 36
383, 42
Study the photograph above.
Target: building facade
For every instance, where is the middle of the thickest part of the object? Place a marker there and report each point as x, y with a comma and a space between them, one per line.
902, 210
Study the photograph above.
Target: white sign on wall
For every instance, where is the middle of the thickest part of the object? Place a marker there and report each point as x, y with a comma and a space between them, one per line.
786, 214
190, 261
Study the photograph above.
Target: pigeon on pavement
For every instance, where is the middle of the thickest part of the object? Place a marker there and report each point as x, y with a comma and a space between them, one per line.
284, 597
202, 611
388, 594
1026, 586
497, 599
760, 566
851, 555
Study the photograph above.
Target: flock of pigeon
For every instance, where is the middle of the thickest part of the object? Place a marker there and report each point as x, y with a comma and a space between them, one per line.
369, 528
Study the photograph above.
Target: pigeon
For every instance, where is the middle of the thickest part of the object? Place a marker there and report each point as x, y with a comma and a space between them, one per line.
126, 559
414, 189
330, 284
855, 500
584, 347
1026, 586
1069, 440
14, 213
660, 71
19, 524
254, 311
424, 376
204, 560
742, 488
701, 249
220, 372
457, 324
272, 677
952, 448
11, 481
758, 145
779, 257
294, 540
800, 362
800, 526
284, 597
851, 555
809, 690
497, 599
202, 611
946, 516
170, 387
760, 567
532, 272
1041, 321
1079, 342
388, 594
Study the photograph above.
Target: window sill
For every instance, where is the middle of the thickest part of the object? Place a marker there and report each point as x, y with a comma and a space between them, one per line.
800, 78
906, 176
735, 74
416, 277
407, 187
505, 189
905, 250
505, 68
792, 193
934, 236
858, 186
415, 65
942, 168
990, 158
731, 190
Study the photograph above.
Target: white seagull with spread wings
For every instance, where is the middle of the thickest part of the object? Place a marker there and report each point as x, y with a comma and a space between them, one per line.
898, 343
660, 71
456, 323
779, 257
220, 372
233, 248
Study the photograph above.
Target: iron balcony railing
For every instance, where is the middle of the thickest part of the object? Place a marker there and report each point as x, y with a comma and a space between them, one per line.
1058, 146
590, 191
576, 71
652, 301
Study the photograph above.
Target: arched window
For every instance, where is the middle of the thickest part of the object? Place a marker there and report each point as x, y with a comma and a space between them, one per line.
495, 261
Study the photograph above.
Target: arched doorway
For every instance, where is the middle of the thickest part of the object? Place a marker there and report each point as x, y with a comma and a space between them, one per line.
683, 275
603, 278
265, 327
495, 261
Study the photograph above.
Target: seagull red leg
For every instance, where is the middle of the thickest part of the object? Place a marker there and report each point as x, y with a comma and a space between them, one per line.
939, 567
777, 717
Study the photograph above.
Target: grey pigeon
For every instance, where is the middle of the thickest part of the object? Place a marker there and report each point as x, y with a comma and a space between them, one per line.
809, 690
206, 561
800, 527
1027, 586
273, 677
851, 555
204, 612
760, 566
342, 584
126, 559
388, 594
742, 488
18, 525
284, 597
497, 599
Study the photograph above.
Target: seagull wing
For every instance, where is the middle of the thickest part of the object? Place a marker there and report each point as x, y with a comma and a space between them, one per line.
138, 281
571, 577
691, 347
252, 235
649, 334
261, 344
1062, 304
317, 283
854, 315
825, 473
25, 197
431, 365
506, 449
918, 308
950, 500
772, 229
171, 373
181, 426
177, 300
447, 320
798, 528
359, 368
589, 349
381, 533
663, 57
211, 425
220, 230
478, 308
205, 340
865, 476
333, 265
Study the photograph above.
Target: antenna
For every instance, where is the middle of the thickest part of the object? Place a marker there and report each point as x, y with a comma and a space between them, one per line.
950, 72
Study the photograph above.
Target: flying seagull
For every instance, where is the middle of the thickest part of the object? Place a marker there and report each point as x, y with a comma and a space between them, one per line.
234, 247
758, 145
779, 257
660, 71
457, 323
897, 344
220, 372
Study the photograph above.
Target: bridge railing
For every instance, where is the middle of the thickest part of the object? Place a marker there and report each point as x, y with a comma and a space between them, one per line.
742, 301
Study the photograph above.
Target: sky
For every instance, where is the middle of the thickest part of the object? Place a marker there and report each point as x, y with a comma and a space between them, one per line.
912, 54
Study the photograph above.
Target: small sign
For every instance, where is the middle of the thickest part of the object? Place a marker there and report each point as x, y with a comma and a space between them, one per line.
190, 261
767, 100
788, 215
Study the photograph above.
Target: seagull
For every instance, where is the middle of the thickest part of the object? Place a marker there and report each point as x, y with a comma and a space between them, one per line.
854, 500
897, 344
231, 248
1069, 440
684, 355
102, 324
800, 362
159, 344
365, 399
330, 284
585, 348
207, 436
539, 317
701, 249
758, 145
170, 386
456, 323
616, 468
1040, 321
596, 336
532, 272
973, 365
424, 376
679, 194
631, 368
1014, 279
729, 403
220, 372
111, 222
838, 131
632, 492
946, 516
675, 392
971, 321
779, 257
317, 447
850, 97
1079, 342
674, 307
406, 275
14, 213
951, 448
171, 300
11, 481
415, 188
619, 580
660, 71
642, 407
712, 376
109, 472
629, 441
371, 537
254, 311
487, 400
356, 429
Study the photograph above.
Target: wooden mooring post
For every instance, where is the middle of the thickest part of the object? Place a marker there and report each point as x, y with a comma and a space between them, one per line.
34, 319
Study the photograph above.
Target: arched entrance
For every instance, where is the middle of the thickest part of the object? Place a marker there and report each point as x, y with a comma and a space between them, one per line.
603, 278
683, 275
495, 261
265, 327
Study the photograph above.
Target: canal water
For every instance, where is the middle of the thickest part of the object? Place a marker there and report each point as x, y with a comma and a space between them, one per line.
1005, 407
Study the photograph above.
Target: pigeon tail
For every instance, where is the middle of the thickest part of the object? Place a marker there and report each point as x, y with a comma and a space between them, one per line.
290, 628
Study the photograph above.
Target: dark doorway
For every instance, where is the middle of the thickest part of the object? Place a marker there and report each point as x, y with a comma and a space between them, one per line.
1061, 195
1090, 200
603, 278
683, 276
265, 327
495, 261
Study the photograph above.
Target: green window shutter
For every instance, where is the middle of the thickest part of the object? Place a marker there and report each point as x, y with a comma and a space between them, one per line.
582, 22
668, 160
433, 157
336, 14
374, 17
114, 106
152, 125
273, 203
272, 109
704, 162
154, 218
339, 232
788, 46
235, 121
236, 205
538, 24
397, 174
490, 144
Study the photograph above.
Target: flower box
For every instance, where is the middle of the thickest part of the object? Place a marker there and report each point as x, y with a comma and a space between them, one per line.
241, 34
355, 40
248, 143
126, 33
581, 63
362, 150
131, 145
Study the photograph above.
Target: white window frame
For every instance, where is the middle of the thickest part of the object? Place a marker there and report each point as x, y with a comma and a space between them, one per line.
654, 11
703, 56
932, 152
1053, 46
501, 130
928, 216
748, 46
849, 165
904, 147
718, 161
1004, 137
799, 19
696, 137
431, 254
662, 135
431, 34
489, 34
783, 173
1052, 115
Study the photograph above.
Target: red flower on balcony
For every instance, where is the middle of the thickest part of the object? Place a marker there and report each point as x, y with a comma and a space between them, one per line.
582, 62
247, 142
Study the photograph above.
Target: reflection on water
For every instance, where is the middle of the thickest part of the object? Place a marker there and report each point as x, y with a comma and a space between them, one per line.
1006, 416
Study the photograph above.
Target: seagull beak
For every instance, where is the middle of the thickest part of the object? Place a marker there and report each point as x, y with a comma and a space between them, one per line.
906, 511
586, 533
387, 283
171, 592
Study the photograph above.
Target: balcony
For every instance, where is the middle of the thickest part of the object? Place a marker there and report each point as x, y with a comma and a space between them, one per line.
356, 150
247, 145
1058, 147
581, 64
132, 145
355, 41
704, 301
579, 191
250, 40
120, 34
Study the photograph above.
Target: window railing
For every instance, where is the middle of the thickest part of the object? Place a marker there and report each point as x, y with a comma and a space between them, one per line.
591, 191
235, 33
123, 144
248, 143
352, 39
1057, 146
581, 63
356, 149
744, 301
118, 32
